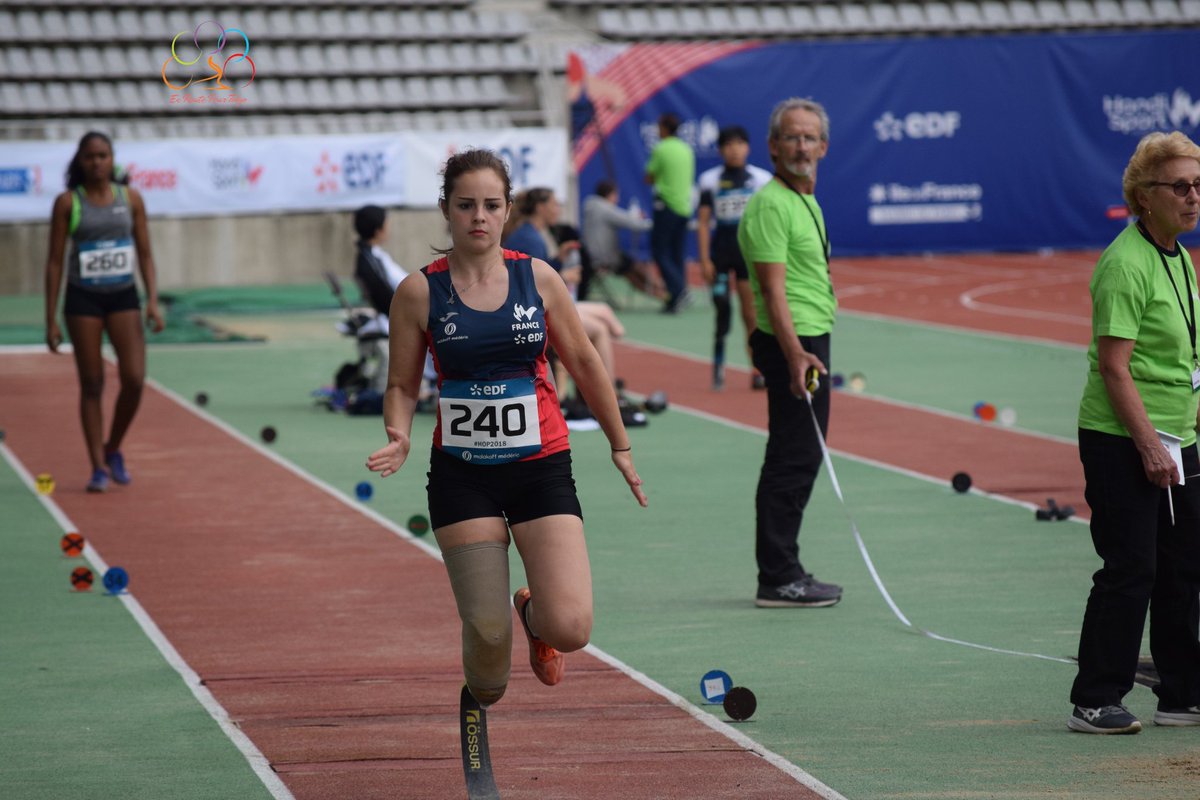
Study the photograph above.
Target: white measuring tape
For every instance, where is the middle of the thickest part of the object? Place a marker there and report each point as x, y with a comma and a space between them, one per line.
862, 549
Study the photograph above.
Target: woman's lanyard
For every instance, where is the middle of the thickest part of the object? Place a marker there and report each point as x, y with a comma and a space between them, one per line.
1190, 320
820, 233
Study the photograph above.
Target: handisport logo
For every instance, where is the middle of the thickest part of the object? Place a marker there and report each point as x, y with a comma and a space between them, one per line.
233, 174
1137, 116
917, 125
228, 65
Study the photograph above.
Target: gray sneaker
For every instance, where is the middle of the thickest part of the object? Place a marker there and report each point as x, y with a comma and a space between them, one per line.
806, 592
1106, 719
1177, 717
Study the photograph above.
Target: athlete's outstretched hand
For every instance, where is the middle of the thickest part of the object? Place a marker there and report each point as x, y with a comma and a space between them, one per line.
390, 457
624, 462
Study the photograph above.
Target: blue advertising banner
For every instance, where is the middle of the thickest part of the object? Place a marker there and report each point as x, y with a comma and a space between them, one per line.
943, 144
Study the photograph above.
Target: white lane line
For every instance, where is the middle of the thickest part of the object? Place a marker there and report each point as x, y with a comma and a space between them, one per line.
739, 738
941, 412
959, 329
871, 462
258, 762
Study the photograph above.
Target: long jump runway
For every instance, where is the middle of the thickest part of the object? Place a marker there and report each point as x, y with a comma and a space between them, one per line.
323, 633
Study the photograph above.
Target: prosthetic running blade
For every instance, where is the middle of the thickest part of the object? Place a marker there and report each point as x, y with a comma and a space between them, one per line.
476, 759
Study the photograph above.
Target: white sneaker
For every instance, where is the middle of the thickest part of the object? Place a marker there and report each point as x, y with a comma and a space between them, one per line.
1178, 717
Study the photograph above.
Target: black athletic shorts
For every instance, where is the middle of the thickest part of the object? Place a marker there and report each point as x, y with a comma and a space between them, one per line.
519, 491
86, 303
727, 257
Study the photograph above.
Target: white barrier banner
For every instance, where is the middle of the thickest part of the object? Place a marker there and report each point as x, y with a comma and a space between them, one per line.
205, 177
31, 175
535, 157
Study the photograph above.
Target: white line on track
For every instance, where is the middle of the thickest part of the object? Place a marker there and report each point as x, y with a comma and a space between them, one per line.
739, 738
968, 299
258, 762
960, 329
871, 462
941, 412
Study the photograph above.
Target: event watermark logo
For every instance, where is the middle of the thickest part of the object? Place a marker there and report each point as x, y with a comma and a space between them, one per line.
1138, 116
226, 67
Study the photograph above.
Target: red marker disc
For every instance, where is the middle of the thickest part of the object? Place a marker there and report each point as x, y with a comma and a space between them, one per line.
72, 544
81, 579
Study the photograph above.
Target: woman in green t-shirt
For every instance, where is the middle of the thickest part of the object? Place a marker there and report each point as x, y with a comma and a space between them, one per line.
1137, 441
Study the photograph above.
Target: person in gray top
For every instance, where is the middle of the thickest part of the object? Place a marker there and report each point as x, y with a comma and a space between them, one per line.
603, 221
106, 224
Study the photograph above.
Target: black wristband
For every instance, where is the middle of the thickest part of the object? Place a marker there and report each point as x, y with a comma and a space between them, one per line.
622, 449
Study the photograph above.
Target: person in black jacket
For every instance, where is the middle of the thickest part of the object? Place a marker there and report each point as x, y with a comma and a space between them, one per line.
376, 272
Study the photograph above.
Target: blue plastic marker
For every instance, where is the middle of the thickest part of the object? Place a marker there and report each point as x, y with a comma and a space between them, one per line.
714, 685
115, 580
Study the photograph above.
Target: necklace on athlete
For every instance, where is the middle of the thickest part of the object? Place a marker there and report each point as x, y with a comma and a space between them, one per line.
459, 293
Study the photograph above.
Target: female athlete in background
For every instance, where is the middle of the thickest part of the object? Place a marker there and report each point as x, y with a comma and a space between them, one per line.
106, 223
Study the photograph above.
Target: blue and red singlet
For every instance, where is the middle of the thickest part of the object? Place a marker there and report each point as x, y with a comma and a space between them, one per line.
495, 403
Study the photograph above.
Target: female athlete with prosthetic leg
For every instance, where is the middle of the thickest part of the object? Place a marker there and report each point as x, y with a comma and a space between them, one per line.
500, 460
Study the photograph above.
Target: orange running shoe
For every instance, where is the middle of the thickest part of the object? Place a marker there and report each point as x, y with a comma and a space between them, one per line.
548, 664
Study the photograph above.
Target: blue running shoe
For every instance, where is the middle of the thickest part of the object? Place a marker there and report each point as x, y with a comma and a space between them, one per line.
116, 467
99, 482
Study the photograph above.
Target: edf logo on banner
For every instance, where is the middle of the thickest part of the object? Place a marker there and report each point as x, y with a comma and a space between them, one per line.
917, 125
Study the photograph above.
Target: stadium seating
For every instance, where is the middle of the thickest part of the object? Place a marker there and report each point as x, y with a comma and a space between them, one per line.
337, 65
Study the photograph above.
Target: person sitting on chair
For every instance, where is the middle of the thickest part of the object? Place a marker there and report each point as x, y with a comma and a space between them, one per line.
378, 275
603, 221
376, 272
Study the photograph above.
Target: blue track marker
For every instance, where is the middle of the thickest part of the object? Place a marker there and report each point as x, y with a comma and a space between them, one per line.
714, 685
115, 580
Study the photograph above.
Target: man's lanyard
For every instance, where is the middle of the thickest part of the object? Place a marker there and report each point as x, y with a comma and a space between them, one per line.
1191, 321
820, 233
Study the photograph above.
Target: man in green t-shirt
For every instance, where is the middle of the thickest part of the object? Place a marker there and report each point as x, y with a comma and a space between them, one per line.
671, 170
783, 239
